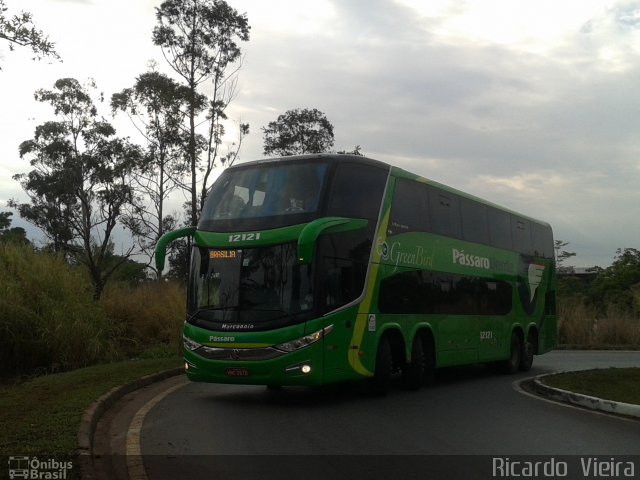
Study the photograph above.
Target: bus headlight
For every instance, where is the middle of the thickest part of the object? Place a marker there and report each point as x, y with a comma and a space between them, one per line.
305, 341
190, 344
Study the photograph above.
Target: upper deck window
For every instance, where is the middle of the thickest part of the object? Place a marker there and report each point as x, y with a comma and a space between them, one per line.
357, 190
284, 194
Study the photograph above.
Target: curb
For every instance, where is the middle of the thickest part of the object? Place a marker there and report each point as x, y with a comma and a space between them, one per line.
584, 401
92, 415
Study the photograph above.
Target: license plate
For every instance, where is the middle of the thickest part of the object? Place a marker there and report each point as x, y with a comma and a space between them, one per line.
237, 372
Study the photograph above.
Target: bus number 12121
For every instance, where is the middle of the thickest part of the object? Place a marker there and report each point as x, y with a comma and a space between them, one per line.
244, 237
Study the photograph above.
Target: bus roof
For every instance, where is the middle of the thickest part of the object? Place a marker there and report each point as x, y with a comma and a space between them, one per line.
331, 157
395, 171
399, 172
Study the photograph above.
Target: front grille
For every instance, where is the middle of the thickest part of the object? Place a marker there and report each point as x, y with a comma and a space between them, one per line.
214, 353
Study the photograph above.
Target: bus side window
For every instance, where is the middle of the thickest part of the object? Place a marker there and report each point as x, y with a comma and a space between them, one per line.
444, 210
500, 229
409, 208
474, 221
356, 191
521, 234
342, 260
542, 240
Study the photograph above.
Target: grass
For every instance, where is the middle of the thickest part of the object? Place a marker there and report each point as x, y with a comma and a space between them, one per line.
146, 316
617, 384
580, 324
42, 416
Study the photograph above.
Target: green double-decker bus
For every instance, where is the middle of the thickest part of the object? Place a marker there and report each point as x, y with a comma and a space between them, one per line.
315, 269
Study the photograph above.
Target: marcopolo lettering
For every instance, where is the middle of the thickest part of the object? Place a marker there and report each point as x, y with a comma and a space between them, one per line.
469, 260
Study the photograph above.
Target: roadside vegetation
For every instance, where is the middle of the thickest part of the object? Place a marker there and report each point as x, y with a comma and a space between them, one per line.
60, 349
602, 309
42, 416
50, 321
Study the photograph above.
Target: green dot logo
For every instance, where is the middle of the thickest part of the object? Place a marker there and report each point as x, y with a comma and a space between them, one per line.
383, 249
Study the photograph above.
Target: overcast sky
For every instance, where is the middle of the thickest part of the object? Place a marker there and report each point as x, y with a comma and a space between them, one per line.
531, 104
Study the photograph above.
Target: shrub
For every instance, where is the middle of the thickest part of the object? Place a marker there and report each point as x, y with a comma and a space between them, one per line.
147, 317
48, 320
581, 324
575, 322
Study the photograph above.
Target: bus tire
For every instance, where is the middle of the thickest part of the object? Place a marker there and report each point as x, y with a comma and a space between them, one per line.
414, 371
527, 355
381, 381
512, 364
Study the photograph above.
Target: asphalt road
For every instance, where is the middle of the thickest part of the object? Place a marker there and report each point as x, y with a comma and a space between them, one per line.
204, 428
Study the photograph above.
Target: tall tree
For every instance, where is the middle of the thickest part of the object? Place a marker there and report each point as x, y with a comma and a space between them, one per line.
19, 30
561, 254
10, 234
157, 106
298, 131
80, 179
200, 41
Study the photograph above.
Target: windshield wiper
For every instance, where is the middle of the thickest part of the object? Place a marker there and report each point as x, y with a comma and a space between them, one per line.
209, 308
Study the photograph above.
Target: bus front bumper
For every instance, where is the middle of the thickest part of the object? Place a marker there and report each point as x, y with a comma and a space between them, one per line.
247, 367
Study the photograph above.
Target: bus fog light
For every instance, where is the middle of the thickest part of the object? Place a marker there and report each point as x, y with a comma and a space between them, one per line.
300, 368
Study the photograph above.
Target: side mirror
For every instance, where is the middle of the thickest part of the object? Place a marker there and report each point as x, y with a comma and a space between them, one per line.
167, 238
310, 233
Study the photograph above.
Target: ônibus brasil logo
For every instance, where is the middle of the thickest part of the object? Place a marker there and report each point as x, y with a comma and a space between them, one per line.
35, 468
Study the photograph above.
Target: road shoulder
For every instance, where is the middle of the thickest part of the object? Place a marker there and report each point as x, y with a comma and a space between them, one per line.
104, 425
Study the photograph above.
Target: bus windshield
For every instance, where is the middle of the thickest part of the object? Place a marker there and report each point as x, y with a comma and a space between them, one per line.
287, 191
255, 287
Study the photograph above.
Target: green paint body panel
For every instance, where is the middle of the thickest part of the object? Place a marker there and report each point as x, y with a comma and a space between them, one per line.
348, 351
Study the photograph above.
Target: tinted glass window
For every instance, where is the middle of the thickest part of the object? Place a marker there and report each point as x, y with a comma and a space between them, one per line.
499, 228
444, 209
426, 292
263, 192
265, 196
342, 267
474, 221
249, 289
542, 240
521, 235
356, 191
409, 211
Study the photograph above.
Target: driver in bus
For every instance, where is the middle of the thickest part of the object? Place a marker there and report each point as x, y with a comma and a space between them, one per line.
302, 192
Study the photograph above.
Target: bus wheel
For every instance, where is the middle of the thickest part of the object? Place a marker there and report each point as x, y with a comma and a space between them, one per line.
413, 372
380, 382
527, 356
512, 364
